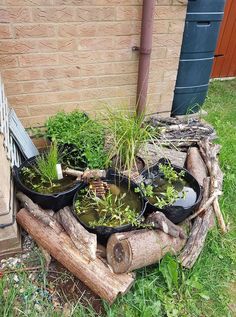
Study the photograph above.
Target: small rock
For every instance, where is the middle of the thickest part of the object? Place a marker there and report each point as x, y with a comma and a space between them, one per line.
16, 278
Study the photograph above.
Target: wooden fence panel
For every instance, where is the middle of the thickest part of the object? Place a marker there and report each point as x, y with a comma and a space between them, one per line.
225, 60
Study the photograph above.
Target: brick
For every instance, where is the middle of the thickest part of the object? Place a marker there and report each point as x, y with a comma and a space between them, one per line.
98, 93
167, 40
21, 74
161, 87
14, 14
95, 14
34, 121
160, 27
125, 67
180, 2
156, 74
158, 52
176, 27
102, 29
38, 60
163, 2
153, 98
21, 111
53, 14
127, 41
53, 45
173, 51
61, 72
17, 47
79, 83
100, 43
170, 74
13, 89
41, 86
127, 13
41, 99
170, 12
116, 80
45, 109
87, 57
169, 64
97, 2
167, 98
34, 30
5, 32
8, 61
28, 2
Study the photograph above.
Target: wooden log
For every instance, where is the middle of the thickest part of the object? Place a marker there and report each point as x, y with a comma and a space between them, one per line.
132, 250
198, 233
95, 274
159, 221
85, 242
39, 213
196, 165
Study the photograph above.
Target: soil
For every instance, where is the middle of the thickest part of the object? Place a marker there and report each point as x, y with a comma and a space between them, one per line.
70, 289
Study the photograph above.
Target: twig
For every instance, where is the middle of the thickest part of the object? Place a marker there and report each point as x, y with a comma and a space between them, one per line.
23, 269
207, 204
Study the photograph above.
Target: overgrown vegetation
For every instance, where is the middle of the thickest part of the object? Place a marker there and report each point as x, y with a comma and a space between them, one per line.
127, 135
207, 290
80, 139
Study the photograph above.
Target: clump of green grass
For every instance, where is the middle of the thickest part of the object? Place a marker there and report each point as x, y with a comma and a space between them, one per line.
128, 135
46, 164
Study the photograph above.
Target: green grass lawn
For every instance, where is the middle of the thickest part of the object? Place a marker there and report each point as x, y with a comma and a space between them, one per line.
167, 290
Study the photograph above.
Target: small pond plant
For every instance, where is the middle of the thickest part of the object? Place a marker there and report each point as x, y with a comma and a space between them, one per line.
113, 209
41, 175
166, 188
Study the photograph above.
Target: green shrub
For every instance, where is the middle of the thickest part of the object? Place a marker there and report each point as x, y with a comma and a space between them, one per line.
80, 139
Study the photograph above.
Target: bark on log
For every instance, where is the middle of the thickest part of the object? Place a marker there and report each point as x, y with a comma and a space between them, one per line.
135, 249
196, 165
95, 274
198, 232
84, 241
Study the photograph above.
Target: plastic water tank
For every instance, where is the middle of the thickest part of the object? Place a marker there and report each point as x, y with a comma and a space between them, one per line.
197, 54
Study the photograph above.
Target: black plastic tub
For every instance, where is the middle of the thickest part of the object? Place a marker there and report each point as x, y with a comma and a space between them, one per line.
53, 201
104, 232
176, 213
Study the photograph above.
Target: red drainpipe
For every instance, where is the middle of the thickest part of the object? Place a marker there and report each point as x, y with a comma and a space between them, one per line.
145, 54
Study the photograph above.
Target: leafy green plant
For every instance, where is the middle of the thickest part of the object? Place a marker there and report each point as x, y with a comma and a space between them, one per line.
128, 135
81, 139
166, 194
112, 210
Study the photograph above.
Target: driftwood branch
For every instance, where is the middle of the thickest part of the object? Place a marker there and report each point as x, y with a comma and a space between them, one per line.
198, 232
209, 153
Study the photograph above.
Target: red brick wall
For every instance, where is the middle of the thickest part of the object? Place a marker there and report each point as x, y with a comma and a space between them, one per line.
68, 54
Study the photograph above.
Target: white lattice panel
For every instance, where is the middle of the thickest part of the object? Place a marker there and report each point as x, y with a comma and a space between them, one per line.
17, 143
